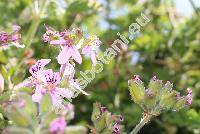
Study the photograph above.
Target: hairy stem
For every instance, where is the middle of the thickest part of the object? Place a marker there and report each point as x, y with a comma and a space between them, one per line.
31, 33
143, 121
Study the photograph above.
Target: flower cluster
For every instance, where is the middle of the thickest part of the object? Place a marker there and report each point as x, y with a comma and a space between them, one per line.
8, 39
72, 44
157, 97
104, 121
60, 84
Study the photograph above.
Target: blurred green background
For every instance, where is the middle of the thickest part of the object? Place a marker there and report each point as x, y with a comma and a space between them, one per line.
168, 46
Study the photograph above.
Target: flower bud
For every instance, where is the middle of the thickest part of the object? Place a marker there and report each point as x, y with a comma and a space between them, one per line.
155, 86
150, 100
168, 99
168, 96
158, 98
137, 90
104, 121
179, 104
152, 94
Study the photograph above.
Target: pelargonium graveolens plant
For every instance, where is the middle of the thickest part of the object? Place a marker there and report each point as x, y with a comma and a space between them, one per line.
51, 90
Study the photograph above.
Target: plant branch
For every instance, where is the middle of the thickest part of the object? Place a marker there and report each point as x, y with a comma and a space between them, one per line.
194, 7
143, 121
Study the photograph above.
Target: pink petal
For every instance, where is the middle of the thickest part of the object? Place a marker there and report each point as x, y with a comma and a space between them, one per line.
25, 83
86, 50
37, 96
39, 65
16, 28
1, 83
64, 55
93, 58
76, 55
76, 86
58, 125
69, 70
51, 77
44, 62
56, 99
65, 92
59, 42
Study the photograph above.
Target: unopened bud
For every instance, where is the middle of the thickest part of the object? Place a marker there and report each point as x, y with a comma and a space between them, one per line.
137, 90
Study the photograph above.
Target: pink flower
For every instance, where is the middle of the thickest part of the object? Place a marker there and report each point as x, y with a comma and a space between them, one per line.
36, 74
3, 38
50, 34
66, 39
51, 81
189, 97
91, 47
57, 126
13, 38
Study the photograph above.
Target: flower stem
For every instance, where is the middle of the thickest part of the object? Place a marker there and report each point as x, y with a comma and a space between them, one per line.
32, 32
143, 121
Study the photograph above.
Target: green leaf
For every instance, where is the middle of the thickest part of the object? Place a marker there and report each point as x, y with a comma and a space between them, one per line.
78, 6
18, 116
46, 104
30, 106
3, 58
75, 130
17, 130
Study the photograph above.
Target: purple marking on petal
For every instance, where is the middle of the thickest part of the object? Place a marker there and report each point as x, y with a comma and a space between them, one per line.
51, 77
38, 66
